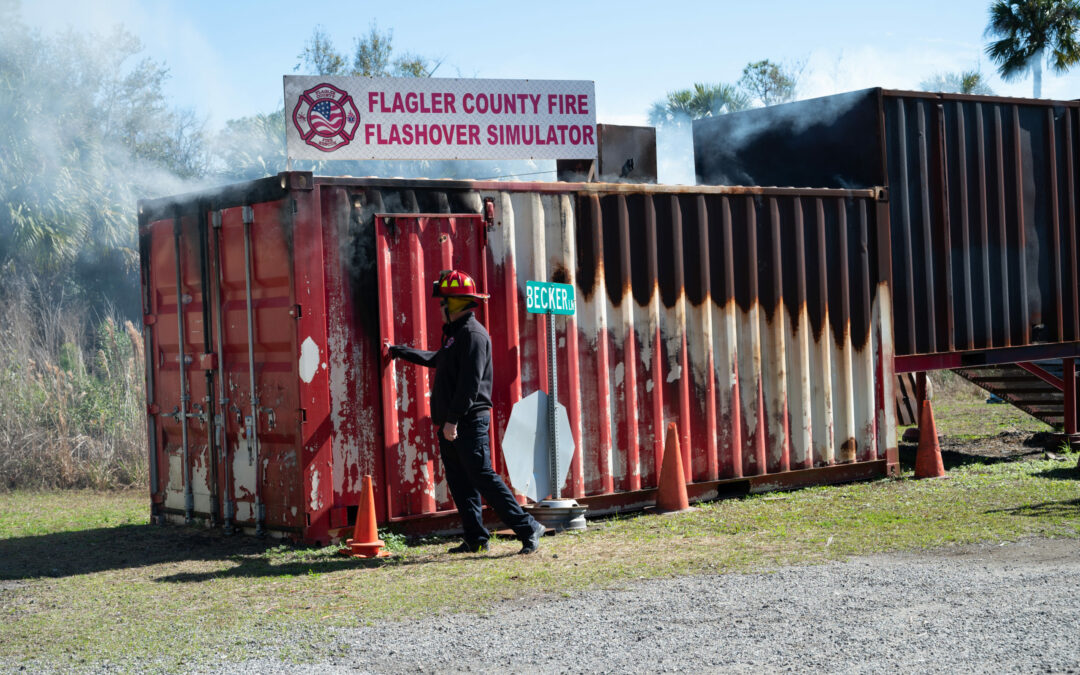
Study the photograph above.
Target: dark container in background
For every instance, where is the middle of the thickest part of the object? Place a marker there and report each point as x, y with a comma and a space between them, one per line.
981, 198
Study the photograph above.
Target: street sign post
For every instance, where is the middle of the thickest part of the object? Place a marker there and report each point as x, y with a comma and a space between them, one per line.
550, 298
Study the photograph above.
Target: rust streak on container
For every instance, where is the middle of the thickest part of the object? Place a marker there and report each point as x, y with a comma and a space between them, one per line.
802, 455
1021, 235
1070, 189
630, 353
965, 226
685, 377
984, 230
843, 341
712, 471
823, 433
658, 352
749, 349
944, 278
1055, 232
908, 287
927, 233
603, 464
727, 343
774, 371
1002, 224
867, 447
559, 222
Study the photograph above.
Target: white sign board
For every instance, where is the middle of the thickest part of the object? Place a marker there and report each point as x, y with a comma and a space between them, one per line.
525, 446
331, 117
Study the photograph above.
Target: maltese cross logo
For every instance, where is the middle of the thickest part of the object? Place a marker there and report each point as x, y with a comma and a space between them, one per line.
326, 117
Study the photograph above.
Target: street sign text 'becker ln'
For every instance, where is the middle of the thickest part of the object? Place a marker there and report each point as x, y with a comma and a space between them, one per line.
549, 298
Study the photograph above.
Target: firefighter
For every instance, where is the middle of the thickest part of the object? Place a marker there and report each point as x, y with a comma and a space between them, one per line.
461, 411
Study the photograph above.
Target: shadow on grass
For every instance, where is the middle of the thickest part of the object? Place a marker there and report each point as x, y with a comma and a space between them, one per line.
64, 554
1068, 471
1005, 447
1065, 509
249, 567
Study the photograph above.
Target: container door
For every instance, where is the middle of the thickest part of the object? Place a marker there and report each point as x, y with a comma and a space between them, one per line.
261, 462
219, 451
413, 249
177, 368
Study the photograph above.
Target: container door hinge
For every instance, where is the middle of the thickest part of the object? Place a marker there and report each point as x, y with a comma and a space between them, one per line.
301, 414
295, 208
296, 312
215, 220
149, 319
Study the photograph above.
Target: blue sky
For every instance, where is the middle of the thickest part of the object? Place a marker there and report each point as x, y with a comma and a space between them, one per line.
227, 57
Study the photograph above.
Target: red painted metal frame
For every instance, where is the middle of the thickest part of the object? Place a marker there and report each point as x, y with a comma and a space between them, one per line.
1069, 389
1043, 375
986, 357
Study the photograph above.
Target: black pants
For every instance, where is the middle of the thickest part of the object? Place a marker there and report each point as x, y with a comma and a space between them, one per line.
469, 475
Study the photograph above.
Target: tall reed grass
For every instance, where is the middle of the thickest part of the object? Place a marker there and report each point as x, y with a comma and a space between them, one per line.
71, 394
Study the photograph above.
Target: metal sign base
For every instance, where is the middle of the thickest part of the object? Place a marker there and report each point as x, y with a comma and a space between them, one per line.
560, 514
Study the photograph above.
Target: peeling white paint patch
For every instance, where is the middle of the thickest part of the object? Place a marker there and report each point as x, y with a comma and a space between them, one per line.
620, 373
174, 495
309, 360
344, 447
244, 511
674, 374
316, 500
562, 342
176, 472
404, 400
200, 487
243, 470
649, 386
293, 511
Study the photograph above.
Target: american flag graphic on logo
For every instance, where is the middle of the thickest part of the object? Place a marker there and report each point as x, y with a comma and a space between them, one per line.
326, 117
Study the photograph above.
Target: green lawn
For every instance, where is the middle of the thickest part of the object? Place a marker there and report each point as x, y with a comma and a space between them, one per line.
84, 579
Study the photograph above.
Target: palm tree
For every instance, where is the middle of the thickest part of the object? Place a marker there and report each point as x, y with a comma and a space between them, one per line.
703, 100
1026, 30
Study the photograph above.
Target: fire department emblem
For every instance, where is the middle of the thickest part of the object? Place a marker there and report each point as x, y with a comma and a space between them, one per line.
326, 117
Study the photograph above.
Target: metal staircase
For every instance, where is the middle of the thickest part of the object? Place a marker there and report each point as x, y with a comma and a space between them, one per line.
1036, 388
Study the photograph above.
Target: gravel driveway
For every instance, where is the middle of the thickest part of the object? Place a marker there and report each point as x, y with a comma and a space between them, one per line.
984, 608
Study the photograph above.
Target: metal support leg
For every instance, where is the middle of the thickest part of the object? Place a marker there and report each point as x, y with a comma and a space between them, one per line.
1068, 379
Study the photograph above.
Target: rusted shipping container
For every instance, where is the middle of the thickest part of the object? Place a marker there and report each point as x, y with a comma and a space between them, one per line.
982, 194
758, 319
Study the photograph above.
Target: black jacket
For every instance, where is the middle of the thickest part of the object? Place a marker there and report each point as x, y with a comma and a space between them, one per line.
463, 370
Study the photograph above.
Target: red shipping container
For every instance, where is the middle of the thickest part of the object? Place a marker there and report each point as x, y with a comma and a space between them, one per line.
757, 319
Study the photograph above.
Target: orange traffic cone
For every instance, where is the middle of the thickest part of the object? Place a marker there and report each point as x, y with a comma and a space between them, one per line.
671, 495
365, 542
928, 457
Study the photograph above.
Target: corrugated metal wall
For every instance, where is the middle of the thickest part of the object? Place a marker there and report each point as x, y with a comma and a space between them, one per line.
752, 318
756, 319
984, 214
982, 203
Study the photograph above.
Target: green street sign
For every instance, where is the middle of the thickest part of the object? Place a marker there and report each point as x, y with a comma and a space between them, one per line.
546, 298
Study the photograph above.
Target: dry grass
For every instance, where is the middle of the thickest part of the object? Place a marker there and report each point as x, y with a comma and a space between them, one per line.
71, 395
